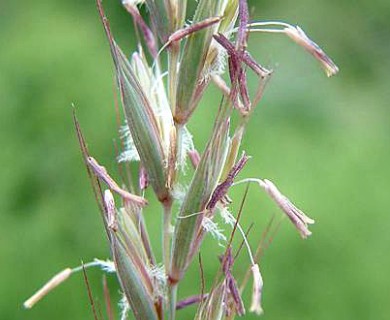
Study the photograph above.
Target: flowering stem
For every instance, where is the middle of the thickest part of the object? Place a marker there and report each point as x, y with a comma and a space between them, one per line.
167, 232
172, 296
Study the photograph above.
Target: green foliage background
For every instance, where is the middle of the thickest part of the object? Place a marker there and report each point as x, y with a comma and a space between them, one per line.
324, 142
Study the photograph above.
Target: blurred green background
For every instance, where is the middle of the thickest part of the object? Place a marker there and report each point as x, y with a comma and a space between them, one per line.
324, 142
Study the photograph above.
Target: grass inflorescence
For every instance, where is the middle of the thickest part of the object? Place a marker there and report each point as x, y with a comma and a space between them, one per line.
158, 103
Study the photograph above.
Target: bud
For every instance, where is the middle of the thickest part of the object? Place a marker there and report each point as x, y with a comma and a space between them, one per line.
204, 182
135, 282
140, 116
189, 88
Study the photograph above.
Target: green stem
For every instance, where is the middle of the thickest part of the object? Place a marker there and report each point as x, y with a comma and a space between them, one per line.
173, 59
172, 301
167, 232
172, 289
